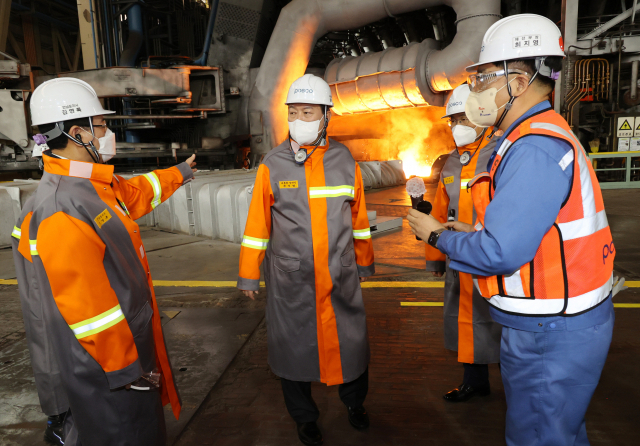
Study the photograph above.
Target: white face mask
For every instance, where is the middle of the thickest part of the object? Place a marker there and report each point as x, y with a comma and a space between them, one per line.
107, 145
303, 132
481, 108
463, 135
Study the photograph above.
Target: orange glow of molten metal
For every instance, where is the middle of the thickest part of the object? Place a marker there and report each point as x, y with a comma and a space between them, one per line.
417, 136
413, 165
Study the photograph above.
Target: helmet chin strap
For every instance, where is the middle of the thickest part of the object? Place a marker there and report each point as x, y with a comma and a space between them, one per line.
323, 133
90, 148
512, 98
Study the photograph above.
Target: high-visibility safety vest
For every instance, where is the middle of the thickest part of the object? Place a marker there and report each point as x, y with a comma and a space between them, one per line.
572, 270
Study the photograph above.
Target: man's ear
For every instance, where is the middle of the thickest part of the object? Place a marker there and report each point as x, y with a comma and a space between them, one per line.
328, 115
520, 85
76, 132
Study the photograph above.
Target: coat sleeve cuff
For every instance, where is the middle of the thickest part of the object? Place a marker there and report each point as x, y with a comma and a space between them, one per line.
248, 284
442, 241
187, 173
122, 377
366, 271
437, 266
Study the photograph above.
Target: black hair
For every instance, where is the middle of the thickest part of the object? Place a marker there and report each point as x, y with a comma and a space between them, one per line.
529, 65
61, 141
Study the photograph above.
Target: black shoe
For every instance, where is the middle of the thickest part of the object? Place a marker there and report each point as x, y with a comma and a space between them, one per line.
309, 434
54, 433
464, 392
358, 418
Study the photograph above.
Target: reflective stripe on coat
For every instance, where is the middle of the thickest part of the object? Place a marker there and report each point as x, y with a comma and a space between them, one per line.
309, 224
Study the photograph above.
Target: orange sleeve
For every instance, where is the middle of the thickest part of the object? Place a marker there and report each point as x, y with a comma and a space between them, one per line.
144, 193
257, 232
435, 258
72, 254
362, 242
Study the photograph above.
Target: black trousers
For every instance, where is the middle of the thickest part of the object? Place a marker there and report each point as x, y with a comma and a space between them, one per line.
476, 375
302, 408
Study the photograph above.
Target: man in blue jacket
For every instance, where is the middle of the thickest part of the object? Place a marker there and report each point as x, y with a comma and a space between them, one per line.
541, 248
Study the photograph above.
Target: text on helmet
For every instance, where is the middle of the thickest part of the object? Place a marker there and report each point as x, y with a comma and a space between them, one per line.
526, 41
70, 109
303, 90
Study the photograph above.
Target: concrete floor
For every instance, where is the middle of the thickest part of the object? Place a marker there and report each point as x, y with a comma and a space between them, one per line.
217, 342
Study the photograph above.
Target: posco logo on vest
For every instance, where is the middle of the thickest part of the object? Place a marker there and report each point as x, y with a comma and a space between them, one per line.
303, 91
607, 250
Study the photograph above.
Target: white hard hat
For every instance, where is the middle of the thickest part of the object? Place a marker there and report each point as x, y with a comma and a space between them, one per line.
521, 36
457, 100
63, 99
309, 89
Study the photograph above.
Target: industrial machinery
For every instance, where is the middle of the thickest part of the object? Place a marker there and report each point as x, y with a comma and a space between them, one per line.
210, 76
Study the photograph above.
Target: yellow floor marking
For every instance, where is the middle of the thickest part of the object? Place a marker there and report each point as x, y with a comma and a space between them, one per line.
171, 314
402, 285
232, 283
198, 283
440, 304
229, 283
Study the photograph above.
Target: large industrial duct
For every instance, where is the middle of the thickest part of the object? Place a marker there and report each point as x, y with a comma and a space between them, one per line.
302, 22
136, 37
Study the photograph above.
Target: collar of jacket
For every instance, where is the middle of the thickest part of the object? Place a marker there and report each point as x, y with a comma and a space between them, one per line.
102, 173
474, 145
320, 148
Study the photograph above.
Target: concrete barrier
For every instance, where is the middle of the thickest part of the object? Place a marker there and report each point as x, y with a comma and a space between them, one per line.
215, 204
13, 196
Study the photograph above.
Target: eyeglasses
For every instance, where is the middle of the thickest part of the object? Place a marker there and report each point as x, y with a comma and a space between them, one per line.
458, 121
481, 81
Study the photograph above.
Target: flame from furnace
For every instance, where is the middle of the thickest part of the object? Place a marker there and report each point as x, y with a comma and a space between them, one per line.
417, 136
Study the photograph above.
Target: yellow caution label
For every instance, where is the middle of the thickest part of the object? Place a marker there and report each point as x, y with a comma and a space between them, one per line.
625, 125
288, 184
448, 180
102, 218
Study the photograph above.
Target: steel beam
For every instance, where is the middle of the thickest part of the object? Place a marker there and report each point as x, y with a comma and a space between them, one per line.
611, 23
87, 34
5, 12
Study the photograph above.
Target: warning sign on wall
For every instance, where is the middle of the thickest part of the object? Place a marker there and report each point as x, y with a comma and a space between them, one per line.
636, 131
626, 126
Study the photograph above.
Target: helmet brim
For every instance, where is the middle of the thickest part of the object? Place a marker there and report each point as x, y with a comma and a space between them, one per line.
78, 116
308, 102
472, 68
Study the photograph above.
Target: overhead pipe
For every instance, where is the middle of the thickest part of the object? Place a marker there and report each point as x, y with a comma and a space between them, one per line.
382, 81
302, 22
136, 37
634, 79
202, 59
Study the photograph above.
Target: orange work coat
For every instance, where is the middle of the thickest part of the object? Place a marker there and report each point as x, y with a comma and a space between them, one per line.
468, 327
309, 224
89, 271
